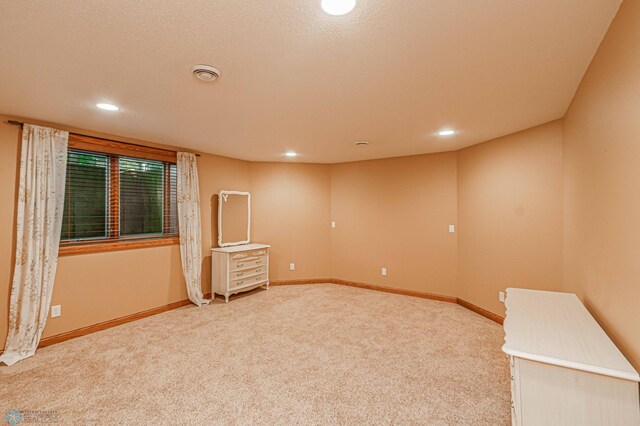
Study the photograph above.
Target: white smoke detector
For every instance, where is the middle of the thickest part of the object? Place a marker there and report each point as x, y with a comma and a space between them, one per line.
205, 72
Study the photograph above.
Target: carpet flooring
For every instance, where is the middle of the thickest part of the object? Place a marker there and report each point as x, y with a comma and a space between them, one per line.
311, 354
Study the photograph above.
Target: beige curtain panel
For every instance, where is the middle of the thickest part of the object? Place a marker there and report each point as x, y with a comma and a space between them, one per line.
189, 226
43, 164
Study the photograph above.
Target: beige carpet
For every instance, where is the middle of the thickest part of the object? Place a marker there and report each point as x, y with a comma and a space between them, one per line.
314, 354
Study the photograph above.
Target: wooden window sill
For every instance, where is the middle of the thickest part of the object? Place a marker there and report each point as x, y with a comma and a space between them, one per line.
106, 246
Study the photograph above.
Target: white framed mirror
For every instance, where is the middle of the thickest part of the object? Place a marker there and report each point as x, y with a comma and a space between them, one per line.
234, 218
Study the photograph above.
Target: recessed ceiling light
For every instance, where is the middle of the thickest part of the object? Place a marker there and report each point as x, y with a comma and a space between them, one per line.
291, 154
446, 132
107, 107
338, 7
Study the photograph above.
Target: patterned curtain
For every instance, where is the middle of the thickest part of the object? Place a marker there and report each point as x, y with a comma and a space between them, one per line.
43, 164
189, 225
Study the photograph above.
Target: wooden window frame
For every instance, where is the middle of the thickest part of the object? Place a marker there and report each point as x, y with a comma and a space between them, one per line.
113, 242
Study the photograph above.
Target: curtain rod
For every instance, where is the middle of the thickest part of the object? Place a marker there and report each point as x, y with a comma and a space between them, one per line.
20, 123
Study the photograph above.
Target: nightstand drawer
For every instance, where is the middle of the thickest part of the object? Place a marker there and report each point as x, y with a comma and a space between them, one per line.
248, 254
247, 281
253, 262
240, 256
236, 275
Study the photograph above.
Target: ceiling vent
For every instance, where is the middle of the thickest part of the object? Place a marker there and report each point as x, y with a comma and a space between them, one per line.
205, 73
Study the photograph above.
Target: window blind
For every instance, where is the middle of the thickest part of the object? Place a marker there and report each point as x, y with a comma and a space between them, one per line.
144, 185
112, 197
86, 197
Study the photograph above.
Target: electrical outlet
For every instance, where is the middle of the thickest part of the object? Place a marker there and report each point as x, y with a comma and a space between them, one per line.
384, 272
333, 224
56, 311
292, 266
452, 229
501, 296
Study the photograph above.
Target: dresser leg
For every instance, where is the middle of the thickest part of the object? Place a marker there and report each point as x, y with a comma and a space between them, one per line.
226, 298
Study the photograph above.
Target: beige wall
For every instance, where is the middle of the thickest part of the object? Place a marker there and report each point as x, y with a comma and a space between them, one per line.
290, 206
602, 185
395, 213
510, 215
215, 174
8, 176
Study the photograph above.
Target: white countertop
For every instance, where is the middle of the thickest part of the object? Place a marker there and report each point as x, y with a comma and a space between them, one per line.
555, 328
242, 247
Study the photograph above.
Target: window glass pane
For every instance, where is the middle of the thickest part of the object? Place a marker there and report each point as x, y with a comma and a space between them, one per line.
85, 199
141, 196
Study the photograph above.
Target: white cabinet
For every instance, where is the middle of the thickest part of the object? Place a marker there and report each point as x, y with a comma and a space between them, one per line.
564, 368
239, 268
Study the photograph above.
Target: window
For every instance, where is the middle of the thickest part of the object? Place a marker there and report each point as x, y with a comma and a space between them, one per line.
118, 196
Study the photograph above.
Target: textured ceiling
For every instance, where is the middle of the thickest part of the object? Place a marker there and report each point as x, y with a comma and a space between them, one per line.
294, 78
